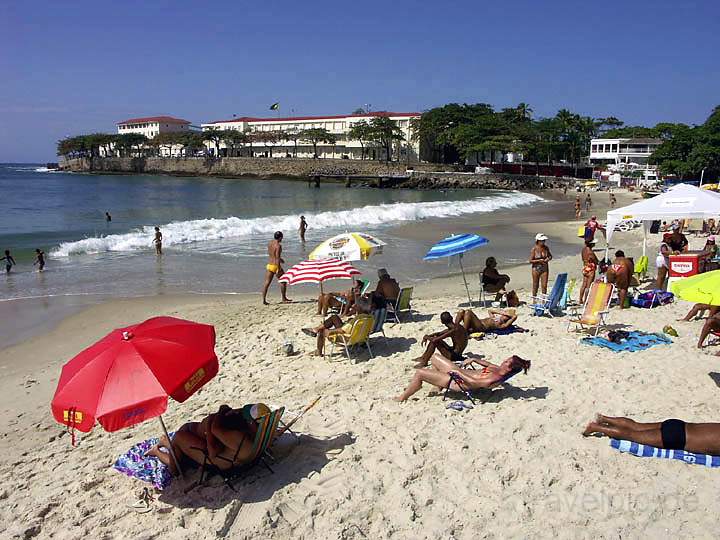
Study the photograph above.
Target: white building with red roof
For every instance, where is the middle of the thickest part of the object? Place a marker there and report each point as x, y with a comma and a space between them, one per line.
287, 144
152, 125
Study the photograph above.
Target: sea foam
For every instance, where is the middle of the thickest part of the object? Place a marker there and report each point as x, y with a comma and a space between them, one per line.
199, 230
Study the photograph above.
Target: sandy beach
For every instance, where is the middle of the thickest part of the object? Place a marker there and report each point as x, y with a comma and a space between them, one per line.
363, 465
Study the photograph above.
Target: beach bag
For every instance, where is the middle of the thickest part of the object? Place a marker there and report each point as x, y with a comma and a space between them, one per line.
581, 231
651, 299
512, 299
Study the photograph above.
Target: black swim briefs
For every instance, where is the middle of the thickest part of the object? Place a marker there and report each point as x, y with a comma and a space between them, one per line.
673, 434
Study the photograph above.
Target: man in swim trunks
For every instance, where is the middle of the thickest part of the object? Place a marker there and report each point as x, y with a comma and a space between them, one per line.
498, 319
671, 434
458, 336
9, 261
273, 267
387, 286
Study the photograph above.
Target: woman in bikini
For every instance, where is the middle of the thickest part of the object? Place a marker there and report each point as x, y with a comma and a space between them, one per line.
225, 438
671, 434
439, 374
540, 258
590, 263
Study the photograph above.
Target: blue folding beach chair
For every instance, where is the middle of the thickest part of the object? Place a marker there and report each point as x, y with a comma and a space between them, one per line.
549, 304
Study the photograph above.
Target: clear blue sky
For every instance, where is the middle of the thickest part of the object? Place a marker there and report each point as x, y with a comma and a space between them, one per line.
77, 67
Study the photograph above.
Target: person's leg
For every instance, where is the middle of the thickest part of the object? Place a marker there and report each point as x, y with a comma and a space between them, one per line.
322, 304
694, 311
460, 317
711, 324
584, 288
660, 280
628, 423
471, 322
431, 376
268, 279
651, 437
423, 359
544, 281
283, 287
535, 282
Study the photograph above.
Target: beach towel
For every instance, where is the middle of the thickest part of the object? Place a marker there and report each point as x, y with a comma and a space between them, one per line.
512, 329
643, 450
149, 469
636, 341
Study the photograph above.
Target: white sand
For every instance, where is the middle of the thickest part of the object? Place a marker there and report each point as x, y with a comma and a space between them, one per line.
366, 466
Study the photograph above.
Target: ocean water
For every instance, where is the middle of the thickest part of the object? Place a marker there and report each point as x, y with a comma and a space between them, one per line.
215, 230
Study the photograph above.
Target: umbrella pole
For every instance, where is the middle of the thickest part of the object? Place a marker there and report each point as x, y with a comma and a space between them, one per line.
172, 452
467, 290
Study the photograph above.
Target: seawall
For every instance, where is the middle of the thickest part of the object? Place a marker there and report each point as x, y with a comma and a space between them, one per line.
393, 174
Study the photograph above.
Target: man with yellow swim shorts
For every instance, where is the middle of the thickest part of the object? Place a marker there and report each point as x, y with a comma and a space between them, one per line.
273, 267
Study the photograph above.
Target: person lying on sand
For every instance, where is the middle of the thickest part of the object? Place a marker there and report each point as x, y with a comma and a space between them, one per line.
439, 374
698, 311
671, 434
335, 325
226, 438
498, 319
458, 336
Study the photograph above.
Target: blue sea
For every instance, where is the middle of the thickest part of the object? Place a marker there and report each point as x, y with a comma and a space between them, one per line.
215, 230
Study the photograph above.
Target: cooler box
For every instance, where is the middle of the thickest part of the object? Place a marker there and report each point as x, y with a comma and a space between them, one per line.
684, 265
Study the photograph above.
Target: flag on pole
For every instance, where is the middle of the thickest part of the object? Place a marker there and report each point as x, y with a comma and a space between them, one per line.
274, 106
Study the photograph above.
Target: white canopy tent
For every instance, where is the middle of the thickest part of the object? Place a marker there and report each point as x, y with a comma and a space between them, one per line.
682, 201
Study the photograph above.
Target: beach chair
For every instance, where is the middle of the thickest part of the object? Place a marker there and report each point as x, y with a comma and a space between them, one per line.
455, 378
402, 304
264, 437
359, 333
365, 285
567, 294
484, 294
548, 304
595, 311
380, 316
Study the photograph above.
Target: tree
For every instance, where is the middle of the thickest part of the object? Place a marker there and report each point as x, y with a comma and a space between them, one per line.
294, 136
385, 132
167, 140
362, 132
130, 143
215, 136
268, 138
314, 136
234, 138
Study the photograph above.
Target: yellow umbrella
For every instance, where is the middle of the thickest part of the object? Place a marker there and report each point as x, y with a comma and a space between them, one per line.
349, 246
700, 289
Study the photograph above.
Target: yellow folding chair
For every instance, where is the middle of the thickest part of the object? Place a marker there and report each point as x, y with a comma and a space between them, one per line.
595, 311
358, 333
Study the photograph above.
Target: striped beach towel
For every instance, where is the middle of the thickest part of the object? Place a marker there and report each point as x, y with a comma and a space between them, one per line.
643, 450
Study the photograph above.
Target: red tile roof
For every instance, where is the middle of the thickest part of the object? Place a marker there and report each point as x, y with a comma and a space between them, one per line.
164, 119
335, 117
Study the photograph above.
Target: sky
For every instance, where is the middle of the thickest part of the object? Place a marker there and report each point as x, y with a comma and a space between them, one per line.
78, 67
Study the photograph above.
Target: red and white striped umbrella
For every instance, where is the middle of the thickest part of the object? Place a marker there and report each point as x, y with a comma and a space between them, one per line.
319, 271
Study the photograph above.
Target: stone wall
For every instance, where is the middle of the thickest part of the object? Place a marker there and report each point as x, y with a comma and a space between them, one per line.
238, 167
424, 176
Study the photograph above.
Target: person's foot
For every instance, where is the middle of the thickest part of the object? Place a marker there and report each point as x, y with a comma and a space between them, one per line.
309, 332
266, 303
318, 353
590, 429
399, 399
286, 301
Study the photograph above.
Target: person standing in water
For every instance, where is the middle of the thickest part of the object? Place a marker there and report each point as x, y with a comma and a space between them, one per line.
303, 228
158, 241
108, 217
39, 259
274, 267
9, 261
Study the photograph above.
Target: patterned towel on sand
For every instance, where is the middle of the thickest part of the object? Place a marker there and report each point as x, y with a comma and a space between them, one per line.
643, 450
136, 464
636, 341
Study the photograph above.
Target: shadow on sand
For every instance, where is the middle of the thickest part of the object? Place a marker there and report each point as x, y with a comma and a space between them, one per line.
505, 392
296, 457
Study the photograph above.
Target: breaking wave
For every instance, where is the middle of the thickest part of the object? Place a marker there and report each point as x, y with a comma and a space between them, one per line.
200, 230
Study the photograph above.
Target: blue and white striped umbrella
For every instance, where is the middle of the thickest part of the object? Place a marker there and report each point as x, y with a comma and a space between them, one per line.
455, 245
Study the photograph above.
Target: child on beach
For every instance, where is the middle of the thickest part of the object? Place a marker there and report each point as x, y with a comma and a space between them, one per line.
9, 261
39, 259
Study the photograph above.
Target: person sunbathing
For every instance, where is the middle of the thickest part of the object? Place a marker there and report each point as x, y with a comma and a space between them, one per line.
225, 438
499, 319
671, 434
335, 325
698, 311
341, 301
436, 342
439, 375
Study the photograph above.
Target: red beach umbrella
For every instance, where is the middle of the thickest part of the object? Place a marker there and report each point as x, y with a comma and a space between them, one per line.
319, 271
127, 376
